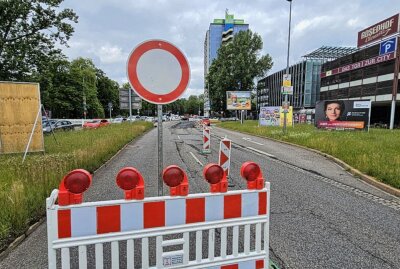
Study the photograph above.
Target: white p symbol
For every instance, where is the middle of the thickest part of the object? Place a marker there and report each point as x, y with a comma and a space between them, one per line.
387, 46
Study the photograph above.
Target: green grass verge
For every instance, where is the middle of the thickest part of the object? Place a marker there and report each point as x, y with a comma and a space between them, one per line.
24, 187
375, 153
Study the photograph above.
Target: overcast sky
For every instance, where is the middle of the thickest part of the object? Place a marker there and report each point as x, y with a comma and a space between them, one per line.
108, 30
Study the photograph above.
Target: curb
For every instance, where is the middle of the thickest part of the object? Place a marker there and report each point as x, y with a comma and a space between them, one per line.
34, 226
20, 239
368, 179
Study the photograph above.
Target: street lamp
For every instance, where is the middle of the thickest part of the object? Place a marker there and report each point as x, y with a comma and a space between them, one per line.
287, 68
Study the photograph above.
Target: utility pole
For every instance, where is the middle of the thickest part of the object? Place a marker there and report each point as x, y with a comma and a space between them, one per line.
285, 109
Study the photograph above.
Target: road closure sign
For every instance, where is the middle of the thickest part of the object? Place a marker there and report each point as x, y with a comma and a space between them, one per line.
158, 71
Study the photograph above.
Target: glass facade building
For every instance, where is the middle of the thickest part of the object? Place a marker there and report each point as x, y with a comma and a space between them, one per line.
305, 77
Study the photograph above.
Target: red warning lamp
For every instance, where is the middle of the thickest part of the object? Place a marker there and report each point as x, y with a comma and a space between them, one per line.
176, 179
253, 175
215, 175
72, 187
131, 182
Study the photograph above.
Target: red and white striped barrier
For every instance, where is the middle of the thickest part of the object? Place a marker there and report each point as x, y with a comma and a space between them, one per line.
224, 159
73, 223
206, 139
256, 264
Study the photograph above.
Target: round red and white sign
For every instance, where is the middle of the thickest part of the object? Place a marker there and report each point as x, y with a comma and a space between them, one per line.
158, 71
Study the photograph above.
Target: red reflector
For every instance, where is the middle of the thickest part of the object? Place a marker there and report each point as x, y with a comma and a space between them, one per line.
213, 173
250, 171
173, 176
77, 181
128, 178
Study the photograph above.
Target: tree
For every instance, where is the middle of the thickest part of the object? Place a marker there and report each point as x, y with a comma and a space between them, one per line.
193, 105
29, 30
237, 65
84, 80
107, 91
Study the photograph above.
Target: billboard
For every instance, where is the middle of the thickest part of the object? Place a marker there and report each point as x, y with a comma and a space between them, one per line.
19, 110
269, 116
378, 31
342, 114
238, 100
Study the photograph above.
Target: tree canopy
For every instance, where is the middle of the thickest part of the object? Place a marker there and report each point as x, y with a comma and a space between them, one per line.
237, 65
29, 31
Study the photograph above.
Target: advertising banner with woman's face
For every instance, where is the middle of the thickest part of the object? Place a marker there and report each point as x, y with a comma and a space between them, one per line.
342, 114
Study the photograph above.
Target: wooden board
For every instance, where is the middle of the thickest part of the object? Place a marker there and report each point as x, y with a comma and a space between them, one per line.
19, 106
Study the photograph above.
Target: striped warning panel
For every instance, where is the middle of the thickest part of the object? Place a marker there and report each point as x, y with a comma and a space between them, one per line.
137, 215
252, 264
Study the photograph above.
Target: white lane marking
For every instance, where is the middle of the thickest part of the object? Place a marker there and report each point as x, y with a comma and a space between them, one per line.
197, 160
179, 137
261, 152
249, 140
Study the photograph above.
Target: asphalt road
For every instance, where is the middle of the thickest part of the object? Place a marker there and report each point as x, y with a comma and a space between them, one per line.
321, 216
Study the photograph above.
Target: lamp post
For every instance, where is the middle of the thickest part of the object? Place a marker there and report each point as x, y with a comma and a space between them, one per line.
287, 69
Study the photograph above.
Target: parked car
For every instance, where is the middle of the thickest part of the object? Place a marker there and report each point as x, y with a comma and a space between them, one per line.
133, 118
95, 124
60, 125
117, 120
150, 119
48, 125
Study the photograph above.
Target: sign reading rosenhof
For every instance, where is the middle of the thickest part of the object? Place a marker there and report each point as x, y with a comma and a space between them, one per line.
342, 114
378, 31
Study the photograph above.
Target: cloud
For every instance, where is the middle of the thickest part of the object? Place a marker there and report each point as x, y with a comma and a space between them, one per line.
108, 30
110, 54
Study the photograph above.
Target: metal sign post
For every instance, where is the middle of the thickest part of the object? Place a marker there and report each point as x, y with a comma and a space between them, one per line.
160, 150
159, 73
130, 104
395, 84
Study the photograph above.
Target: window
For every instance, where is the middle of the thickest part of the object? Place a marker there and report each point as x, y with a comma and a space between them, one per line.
342, 93
368, 90
371, 71
355, 91
386, 68
356, 74
358, 56
386, 90
371, 52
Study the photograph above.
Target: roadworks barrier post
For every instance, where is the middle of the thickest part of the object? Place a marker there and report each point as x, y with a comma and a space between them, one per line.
206, 140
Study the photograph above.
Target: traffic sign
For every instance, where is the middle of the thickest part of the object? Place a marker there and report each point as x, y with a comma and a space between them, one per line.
158, 71
387, 46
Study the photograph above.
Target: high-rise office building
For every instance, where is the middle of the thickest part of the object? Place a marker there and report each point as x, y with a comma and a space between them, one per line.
221, 31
